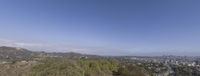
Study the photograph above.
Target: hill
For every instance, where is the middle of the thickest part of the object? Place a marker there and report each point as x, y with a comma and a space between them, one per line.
14, 53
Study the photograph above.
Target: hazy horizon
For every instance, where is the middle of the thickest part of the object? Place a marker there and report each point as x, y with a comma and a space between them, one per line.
102, 27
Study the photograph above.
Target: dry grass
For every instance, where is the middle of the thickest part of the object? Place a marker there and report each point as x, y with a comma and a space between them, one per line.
16, 69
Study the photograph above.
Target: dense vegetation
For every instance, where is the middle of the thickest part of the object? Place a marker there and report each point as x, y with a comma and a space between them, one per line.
68, 67
21, 62
85, 67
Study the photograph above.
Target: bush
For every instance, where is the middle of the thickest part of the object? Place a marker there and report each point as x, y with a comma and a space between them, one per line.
68, 67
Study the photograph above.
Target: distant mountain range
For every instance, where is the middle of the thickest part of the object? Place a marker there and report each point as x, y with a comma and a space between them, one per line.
21, 53
14, 52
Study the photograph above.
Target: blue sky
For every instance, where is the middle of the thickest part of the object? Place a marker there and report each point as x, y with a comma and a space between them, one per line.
128, 26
